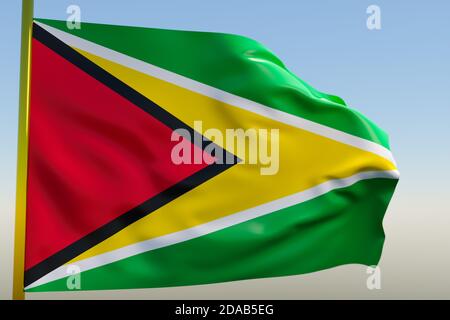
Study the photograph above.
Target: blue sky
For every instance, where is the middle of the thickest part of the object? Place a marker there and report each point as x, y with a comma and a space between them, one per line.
398, 76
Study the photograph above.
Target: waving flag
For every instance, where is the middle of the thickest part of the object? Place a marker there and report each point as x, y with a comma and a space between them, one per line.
104, 194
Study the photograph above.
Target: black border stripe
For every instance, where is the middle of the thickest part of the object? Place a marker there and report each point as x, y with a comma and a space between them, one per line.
115, 84
150, 205
114, 226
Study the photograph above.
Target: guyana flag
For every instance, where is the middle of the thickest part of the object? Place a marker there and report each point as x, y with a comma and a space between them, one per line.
105, 197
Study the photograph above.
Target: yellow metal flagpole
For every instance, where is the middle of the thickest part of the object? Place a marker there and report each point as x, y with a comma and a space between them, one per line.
22, 151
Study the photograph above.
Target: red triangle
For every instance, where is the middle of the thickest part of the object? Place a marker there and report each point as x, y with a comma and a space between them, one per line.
93, 155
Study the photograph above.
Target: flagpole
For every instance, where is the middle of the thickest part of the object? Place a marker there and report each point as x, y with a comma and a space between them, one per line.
22, 151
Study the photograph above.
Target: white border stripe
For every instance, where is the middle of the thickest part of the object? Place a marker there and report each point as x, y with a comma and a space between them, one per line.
213, 226
218, 94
